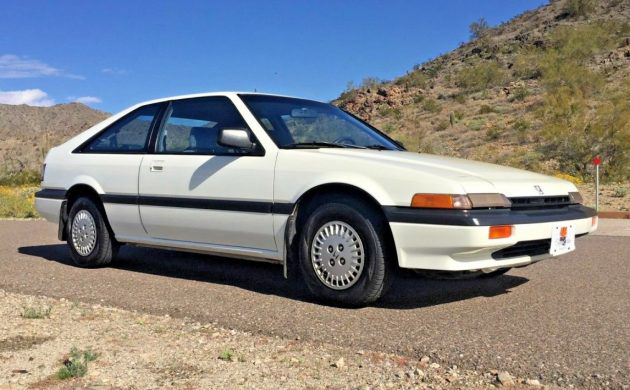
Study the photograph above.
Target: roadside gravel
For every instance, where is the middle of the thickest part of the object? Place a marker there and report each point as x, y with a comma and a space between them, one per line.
141, 351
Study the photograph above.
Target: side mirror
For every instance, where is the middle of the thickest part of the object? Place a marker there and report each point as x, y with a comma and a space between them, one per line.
235, 138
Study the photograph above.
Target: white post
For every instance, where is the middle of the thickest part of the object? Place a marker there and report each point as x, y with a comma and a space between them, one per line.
597, 187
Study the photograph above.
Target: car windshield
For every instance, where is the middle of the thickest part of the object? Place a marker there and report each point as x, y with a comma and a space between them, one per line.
299, 123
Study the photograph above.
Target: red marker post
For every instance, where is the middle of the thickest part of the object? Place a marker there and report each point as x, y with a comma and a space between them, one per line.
597, 161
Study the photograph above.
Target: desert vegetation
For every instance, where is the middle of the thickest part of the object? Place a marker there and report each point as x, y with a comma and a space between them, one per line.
17, 194
545, 91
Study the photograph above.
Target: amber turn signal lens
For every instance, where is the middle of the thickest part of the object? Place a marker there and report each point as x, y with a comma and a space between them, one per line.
501, 231
440, 201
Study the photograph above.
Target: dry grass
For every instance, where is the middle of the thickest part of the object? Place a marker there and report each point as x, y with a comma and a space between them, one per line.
18, 202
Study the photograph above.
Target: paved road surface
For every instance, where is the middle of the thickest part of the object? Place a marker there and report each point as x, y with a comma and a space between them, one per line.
564, 320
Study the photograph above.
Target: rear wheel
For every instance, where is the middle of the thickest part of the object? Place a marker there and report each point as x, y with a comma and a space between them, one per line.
90, 241
342, 249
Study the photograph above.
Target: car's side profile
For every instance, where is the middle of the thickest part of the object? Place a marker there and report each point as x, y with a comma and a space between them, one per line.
301, 183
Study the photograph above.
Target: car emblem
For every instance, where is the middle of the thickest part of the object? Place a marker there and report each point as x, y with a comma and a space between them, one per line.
540, 191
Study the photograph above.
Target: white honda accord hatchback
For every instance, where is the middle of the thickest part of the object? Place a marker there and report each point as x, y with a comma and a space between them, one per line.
300, 183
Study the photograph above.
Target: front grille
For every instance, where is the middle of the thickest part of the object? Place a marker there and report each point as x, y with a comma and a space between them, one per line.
524, 248
539, 202
527, 248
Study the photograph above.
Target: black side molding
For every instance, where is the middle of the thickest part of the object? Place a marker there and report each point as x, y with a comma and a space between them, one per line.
201, 203
50, 193
188, 203
487, 217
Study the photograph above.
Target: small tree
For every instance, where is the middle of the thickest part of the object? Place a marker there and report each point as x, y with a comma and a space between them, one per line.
479, 29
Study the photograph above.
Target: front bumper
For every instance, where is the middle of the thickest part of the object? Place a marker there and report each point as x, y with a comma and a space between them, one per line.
457, 240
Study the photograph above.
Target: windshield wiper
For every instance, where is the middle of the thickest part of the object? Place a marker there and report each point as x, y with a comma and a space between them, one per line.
309, 145
377, 147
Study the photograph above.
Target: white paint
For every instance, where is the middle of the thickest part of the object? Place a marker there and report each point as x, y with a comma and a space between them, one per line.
390, 177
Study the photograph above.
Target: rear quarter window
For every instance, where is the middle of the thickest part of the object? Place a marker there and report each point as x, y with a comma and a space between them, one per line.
127, 135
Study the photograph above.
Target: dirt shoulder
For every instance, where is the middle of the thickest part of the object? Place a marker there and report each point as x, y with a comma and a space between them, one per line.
135, 350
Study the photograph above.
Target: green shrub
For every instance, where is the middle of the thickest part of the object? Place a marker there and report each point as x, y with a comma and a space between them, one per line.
76, 365
36, 313
431, 105
21, 178
526, 64
523, 159
580, 8
388, 111
520, 93
476, 124
442, 125
486, 109
494, 133
433, 70
575, 132
227, 356
521, 127
479, 77
582, 116
460, 98
415, 79
388, 128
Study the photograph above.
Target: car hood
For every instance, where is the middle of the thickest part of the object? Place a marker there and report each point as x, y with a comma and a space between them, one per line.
474, 176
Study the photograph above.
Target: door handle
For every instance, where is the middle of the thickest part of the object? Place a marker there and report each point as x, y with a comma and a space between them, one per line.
156, 166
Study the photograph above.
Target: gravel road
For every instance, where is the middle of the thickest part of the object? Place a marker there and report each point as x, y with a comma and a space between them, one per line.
564, 321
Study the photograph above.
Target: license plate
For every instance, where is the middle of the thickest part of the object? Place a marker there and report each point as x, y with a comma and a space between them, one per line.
562, 239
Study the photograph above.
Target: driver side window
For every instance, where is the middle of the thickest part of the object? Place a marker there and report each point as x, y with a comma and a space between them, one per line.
192, 126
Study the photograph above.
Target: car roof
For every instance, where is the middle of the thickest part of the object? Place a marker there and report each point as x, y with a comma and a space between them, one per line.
204, 94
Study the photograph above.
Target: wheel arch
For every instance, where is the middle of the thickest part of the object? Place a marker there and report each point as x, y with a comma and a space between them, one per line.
72, 194
299, 214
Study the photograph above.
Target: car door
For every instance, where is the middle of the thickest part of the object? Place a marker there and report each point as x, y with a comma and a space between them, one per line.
110, 161
193, 190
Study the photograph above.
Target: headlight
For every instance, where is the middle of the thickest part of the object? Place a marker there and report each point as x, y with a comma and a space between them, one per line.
483, 201
575, 197
462, 202
43, 173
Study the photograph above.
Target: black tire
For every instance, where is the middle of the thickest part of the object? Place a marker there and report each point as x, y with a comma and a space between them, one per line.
494, 274
104, 248
370, 226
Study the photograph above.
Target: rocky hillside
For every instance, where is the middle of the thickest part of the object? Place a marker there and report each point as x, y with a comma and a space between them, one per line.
536, 92
26, 132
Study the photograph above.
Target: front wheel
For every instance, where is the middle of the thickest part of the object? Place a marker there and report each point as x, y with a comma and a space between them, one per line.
90, 241
342, 251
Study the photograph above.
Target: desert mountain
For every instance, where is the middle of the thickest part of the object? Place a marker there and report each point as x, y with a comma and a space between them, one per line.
545, 91
26, 132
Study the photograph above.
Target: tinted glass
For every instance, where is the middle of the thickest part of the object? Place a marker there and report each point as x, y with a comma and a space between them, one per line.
295, 121
129, 134
192, 126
